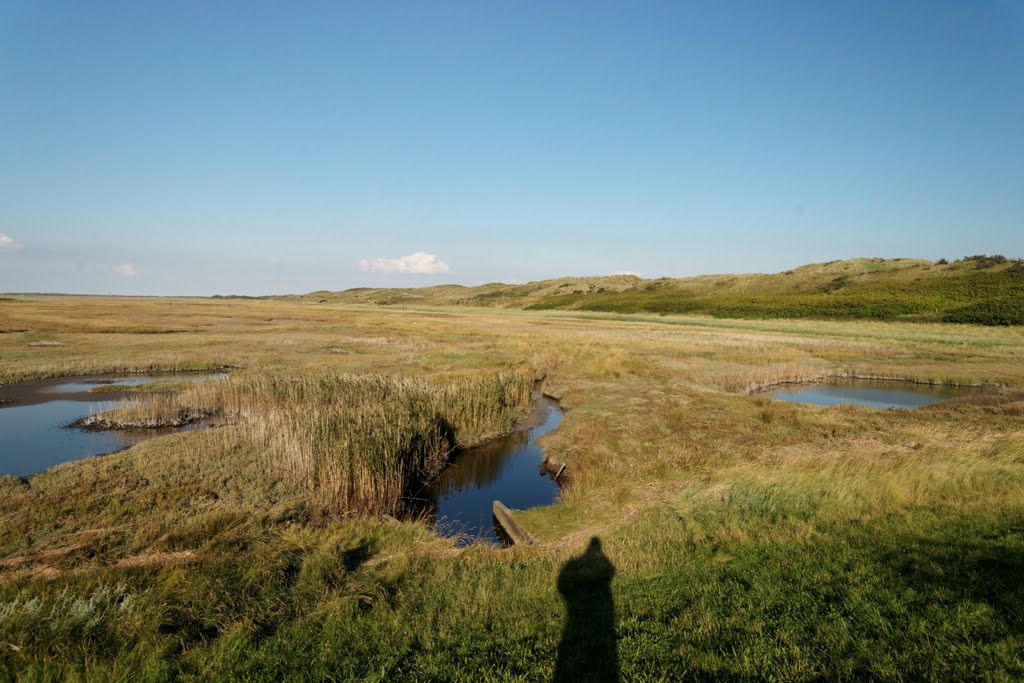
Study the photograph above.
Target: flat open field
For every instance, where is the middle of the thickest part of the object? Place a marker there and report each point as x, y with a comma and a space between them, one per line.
746, 537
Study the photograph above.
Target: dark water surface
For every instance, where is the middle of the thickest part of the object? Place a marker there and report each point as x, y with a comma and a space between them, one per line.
34, 419
871, 393
508, 469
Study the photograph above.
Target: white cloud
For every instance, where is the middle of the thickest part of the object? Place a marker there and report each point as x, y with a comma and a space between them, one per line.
420, 263
128, 270
7, 243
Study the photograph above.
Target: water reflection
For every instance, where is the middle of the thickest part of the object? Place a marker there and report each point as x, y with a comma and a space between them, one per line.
459, 502
480, 467
871, 393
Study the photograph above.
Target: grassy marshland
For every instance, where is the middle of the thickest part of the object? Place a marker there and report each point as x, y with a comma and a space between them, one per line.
356, 443
750, 538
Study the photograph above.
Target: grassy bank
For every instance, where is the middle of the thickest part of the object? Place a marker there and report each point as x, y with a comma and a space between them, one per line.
748, 537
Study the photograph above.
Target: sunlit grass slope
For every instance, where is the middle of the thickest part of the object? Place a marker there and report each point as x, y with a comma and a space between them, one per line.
978, 290
750, 538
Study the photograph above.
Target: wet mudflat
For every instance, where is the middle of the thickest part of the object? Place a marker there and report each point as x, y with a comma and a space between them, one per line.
35, 417
871, 393
508, 469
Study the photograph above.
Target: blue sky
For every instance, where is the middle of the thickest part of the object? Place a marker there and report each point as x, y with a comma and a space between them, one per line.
247, 147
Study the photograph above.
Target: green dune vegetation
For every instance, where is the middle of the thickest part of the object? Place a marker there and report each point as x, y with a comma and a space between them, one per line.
984, 290
741, 536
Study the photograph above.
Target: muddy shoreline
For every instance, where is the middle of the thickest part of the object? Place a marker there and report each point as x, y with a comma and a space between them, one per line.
99, 423
839, 377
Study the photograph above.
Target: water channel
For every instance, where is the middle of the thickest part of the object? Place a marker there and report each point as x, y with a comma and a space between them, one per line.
508, 469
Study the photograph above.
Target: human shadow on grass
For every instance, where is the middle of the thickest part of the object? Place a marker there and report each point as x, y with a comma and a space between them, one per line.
587, 651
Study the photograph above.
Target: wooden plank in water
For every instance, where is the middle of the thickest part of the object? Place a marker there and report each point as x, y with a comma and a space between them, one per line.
508, 523
554, 468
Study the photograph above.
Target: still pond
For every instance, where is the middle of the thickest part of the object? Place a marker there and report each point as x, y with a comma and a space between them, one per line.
870, 393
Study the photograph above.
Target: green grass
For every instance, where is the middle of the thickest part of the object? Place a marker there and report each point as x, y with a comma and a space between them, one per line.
930, 594
975, 297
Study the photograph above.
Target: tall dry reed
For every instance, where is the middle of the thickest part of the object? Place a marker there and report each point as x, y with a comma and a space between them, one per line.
356, 443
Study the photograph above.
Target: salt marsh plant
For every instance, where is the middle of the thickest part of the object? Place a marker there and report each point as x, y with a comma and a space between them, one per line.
355, 443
